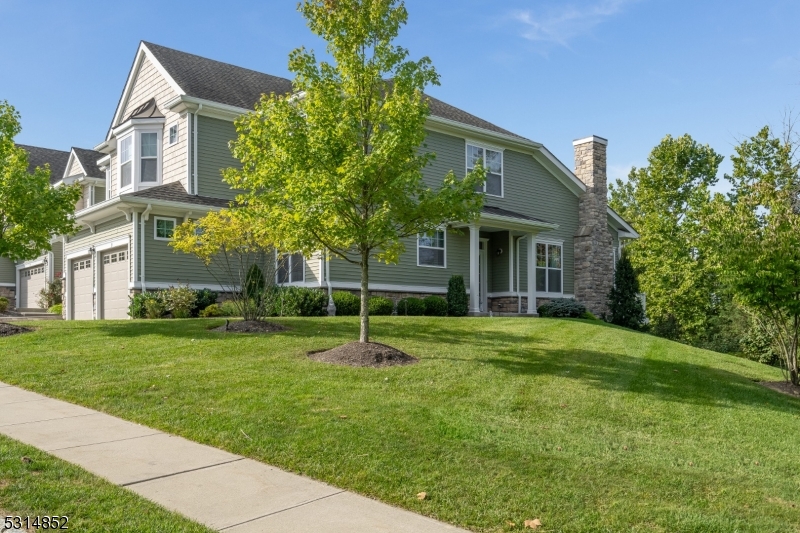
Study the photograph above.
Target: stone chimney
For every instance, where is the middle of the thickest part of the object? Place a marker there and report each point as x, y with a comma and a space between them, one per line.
594, 255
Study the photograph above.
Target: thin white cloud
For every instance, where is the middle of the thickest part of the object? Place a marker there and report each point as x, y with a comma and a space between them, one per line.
561, 25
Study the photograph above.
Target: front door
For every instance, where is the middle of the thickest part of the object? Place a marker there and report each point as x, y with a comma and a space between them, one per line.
483, 299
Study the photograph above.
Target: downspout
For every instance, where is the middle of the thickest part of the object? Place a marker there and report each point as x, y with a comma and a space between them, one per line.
145, 218
196, 191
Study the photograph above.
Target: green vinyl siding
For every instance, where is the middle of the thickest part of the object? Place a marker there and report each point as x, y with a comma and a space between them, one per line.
99, 194
8, 271
164, 265
111, 230
58, 258
213, 156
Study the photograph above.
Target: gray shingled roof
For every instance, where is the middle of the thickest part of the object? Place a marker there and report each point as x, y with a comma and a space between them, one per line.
37, 157
174, 192
228, 84
489, 210
89, 159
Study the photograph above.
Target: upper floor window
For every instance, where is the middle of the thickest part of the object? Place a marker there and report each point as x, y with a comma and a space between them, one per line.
125, 161
149, 157
431, 249
548, 267
173, 134
164, 229
291, 268
493, 162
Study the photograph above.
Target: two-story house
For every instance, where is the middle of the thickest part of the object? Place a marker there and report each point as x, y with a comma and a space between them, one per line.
160, 164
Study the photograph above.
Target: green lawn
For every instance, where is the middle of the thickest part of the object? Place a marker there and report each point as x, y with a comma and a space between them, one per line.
587, 427
44, 485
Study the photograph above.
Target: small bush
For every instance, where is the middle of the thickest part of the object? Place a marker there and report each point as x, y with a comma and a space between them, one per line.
180, 301
435, 306
137, 306
298, 301
457, 300
411, 307
380, 306
204, 298
50, 295
154, 308
211, 311
228, 308
3, 304
347, 304
562, 307
56, 309
588, 316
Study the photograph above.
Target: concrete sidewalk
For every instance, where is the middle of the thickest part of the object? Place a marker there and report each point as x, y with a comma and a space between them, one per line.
224, 491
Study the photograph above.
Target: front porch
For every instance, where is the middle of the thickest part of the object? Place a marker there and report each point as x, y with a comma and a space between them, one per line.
502, 258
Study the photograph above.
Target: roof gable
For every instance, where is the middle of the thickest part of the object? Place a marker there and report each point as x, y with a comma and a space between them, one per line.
38, 157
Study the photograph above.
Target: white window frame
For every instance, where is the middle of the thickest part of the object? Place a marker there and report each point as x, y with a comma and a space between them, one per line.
485, 147
289, 269
155, 228
174, 128
548, 268
444, 249
135, 134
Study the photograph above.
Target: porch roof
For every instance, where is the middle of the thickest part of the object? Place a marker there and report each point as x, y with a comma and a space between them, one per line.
511, 220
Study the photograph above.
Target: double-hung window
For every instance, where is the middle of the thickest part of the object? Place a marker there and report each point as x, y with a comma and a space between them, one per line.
291, 268
149, 157
548, 268
173, 134
126, 161
431, 249
492, 161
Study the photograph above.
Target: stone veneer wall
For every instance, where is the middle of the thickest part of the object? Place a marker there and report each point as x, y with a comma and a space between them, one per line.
594, 269
10, 293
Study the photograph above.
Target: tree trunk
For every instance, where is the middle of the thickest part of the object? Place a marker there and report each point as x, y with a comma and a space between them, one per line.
364, 336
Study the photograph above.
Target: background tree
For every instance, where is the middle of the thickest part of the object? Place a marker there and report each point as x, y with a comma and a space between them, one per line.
239, 257
338, 164
623, 300
755, 236
664, 202
31, 211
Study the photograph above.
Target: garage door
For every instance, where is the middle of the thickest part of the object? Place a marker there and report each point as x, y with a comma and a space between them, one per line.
31, 281
82, 281
115, 284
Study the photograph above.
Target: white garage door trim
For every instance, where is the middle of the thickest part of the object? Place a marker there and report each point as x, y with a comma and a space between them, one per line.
112, 301
31, 279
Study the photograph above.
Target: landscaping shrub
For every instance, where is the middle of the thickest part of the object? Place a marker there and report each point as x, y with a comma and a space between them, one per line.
435, 306
411, 307
137, 306
297, 301
180, 301
457, 300
228, 308
347, 304
3, 304
380, 306
56, 309
562, 307
211, 311
254, 281
588, 316
204, 298
154, 308
50, 295
623, 300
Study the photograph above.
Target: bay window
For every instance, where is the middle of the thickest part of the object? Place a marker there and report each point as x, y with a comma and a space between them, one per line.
139, 161
149, 157
126, 161
549, 268
493, 163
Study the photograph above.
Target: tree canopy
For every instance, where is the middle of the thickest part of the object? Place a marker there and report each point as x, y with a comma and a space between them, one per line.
338, 164
31, 211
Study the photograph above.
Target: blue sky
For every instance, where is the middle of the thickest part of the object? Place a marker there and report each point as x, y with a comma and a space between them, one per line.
551, 70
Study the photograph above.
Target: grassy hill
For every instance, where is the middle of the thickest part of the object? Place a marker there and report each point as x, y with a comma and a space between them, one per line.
588, 427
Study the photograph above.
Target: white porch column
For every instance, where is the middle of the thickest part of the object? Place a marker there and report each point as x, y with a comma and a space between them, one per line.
531, 273
474, 258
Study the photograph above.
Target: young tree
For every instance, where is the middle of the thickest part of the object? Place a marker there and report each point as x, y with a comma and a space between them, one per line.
236, 254
663, 201
623, 300
755, 235
338, 164
31, 211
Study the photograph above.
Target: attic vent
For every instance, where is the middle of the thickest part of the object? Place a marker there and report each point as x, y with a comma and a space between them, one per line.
148, 109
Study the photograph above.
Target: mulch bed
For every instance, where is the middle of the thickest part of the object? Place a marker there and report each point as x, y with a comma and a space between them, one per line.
6, 330
250, 326
364, 354
784, 387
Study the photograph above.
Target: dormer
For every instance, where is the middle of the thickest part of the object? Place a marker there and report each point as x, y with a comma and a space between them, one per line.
139, 147
84, 168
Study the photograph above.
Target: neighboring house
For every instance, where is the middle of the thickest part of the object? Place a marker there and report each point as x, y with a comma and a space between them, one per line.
161, 164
